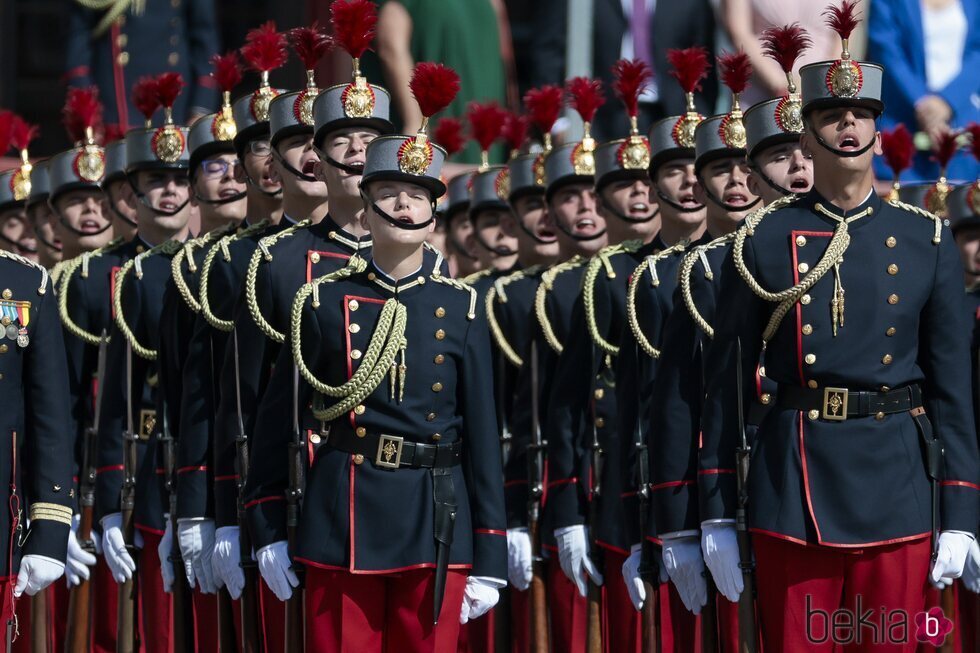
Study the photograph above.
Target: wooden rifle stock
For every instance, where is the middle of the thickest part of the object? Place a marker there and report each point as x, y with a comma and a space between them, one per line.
294, 497
183, 602
39, 622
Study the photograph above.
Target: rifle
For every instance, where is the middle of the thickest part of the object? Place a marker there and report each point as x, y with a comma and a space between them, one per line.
709, 613
294, 497
183, 605
251, 641
80, 600
500, 388
535, 483
128, 640
748, 636
593, 625
39, 622
649, 569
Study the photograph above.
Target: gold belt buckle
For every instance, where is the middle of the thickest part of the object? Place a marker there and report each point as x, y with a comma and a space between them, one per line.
389, 451
835, 404
148, 422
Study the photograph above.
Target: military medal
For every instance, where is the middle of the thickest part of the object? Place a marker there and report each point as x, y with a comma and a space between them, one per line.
10, 332
22, 338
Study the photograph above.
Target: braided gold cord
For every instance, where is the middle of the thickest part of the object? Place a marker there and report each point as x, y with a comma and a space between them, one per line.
937, 221
496, 290
460, 285
648, 263
476, 276
222, 246
687, 268
73, 265
602, 259
187, 252
167, 248
31, 264
56, 271
540, 299
262, 251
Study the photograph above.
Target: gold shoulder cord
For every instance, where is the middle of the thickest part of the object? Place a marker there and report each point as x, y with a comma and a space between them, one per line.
463, 286
540, 299
72, 266
649, 264
687, 268
436, 272
135, 264
222, 247
937, 221
386, 341
29, 263
476, 276
497, 291
56, 271
187, 253
262, 252
602, 259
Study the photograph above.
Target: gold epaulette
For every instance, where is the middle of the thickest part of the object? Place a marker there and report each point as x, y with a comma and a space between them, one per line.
541, 294
649, 264
479, 274
31, 264
459, 285
497, 293
186, 253
222, 246
436, 271
136, 265
81, 263
56, 271
262, 253
937, 221
602, 260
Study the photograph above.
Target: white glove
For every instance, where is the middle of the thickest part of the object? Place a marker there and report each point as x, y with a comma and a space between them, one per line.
685, 567
953, 548
226, 561
720, 547
164, 550
116, 556
196, 540
36, 573
573, 555
631, 576
274, 566
971, 570
479, 596
519, 558
78, 559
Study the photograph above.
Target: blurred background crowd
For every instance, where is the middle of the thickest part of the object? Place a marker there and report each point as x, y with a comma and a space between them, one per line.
930, 50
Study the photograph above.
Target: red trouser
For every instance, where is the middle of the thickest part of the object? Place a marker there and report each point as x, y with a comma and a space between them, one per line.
817, 598
389, 613
105, 598
567, 609
155, 604
479, 635
205, 620
273, 613
621, 623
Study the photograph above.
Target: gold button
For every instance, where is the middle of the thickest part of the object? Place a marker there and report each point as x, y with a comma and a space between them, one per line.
810, 359
355, 354
890, 241
766, 398
430, 417
360, 431
884, 388
315, 438
803, 268
436, 387
7, 294
359, 409
372, 276
140, 249
440, 312
421, 281
440, 334
354, 328
811, 384
5, 320
1, 376
3, 349
813, 414
358, 459
352, 304
893, 269
123, 58
887, 359
122, 40
801, 241
879, 416
892, 299
890, 331
807, 329
805, 299
599, 393
436, 436
762, 370
439, 359
173, 58
599, 422
314, 257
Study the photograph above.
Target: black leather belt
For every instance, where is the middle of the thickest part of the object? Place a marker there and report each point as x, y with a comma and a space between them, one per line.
839, 404
394, 451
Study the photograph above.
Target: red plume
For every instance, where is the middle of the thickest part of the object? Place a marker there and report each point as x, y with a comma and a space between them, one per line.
6, 119
843, 19
113, 133
585, 96
22, 133
944, 149
82, 110
265, 48
353, 25
434, 86
690, 66
169, 86
784, 45
543, 106
145, 96
514, 131
629, 78
486, 122
227, 70
736, 69
310, 44
898, 148
449, 134
974, 129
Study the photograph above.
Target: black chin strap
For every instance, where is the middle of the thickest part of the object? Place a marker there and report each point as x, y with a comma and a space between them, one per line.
353, 170
460, 249
119, 214
677, 206
728, 207
51, 246
78, 232
293, 171
226, 200
17, 246
251, 182
396, 223
574, 236
142, 200
626, 218
499, 251
533, 236
841, 153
